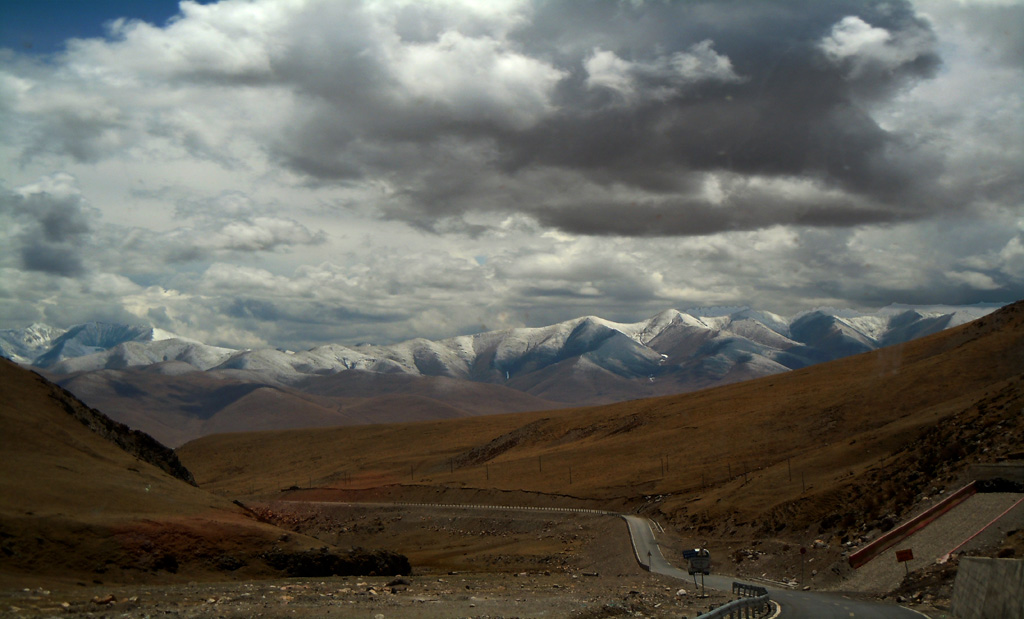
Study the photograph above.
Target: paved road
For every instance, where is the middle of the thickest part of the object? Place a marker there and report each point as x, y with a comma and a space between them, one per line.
794, 604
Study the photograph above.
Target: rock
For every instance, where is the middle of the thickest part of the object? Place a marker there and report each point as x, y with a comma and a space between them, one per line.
105, 600
403, 582
681, 592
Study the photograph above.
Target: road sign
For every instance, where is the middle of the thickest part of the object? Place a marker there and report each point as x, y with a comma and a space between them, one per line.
700, 561
904, 555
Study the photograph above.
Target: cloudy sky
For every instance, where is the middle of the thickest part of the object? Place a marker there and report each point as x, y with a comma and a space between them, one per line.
294, 172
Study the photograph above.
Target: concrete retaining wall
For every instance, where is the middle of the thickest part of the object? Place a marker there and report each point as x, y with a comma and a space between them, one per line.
988, 589
908, 528
1012, 471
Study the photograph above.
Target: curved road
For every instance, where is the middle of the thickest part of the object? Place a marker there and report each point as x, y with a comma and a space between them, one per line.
794, 604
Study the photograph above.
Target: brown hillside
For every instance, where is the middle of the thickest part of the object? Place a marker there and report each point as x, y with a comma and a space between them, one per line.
178, 407
76, 507
783, 451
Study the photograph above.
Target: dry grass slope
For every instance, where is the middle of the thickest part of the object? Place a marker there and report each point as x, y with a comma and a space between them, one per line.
75, 507
787, 451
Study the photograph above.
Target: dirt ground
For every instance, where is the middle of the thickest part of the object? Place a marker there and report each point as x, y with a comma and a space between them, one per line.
467, 562
426, 594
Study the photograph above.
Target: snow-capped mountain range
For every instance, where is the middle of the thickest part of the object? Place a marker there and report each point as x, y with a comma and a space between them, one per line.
588, 360
708, 341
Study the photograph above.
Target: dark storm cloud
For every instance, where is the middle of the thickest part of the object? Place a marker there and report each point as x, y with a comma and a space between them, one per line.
456, 108
52, 259
648, 96
50, 224
54, 217
796, 111
253, 308
695, 217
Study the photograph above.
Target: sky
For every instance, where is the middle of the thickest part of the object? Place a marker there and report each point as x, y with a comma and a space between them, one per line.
289, 173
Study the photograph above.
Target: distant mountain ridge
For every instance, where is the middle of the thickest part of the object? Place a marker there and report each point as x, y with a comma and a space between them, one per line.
643, 349
189, 388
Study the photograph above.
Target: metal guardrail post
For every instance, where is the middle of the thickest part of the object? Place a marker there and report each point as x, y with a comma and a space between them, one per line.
745, 607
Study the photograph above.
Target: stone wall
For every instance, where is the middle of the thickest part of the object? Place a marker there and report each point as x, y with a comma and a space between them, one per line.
988, 589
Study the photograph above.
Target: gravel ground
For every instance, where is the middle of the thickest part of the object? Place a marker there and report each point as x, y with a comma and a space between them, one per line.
421, 596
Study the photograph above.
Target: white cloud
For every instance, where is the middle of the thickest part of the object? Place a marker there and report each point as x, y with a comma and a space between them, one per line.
300, 171
477, 79
978, 281
606, 70
663, 77
853, 37
864, 48
263, 233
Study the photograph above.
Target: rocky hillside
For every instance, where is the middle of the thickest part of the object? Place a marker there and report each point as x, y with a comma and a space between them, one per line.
137, 443
86, 500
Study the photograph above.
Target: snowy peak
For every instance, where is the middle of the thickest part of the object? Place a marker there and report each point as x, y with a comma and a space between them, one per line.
674, 349
90, 338
830, 333
141, 353
24, 345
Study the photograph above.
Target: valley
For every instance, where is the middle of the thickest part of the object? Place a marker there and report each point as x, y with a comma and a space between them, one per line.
825, 458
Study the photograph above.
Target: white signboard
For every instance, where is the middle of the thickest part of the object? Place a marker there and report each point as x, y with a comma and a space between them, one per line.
700, 564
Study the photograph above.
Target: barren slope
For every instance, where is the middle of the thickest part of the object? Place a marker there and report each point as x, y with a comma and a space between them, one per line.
74, 506
783, 452
178, 407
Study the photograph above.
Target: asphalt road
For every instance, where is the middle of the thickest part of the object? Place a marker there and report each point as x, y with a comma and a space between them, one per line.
794, 604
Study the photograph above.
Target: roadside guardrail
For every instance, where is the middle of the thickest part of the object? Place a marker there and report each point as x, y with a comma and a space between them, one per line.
742, 589
753, 603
